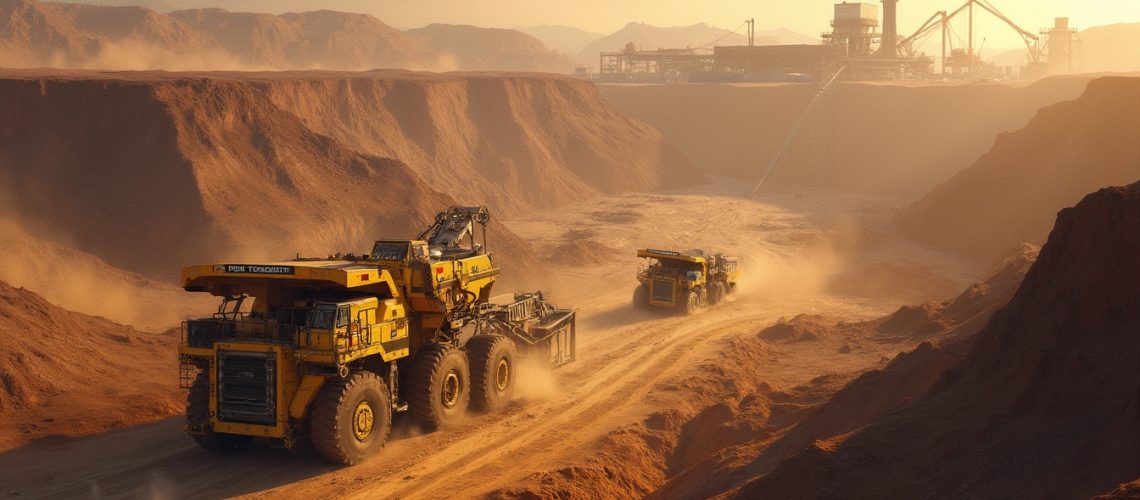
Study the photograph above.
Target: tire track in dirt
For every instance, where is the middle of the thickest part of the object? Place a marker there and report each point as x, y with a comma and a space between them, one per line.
603, 393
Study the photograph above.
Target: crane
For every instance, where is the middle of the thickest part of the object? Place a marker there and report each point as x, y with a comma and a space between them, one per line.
942, 20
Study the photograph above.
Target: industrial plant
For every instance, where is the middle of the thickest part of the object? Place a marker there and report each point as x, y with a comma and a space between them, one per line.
860, 46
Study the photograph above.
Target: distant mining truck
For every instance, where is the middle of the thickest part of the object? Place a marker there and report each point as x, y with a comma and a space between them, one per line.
685, 281
328, 350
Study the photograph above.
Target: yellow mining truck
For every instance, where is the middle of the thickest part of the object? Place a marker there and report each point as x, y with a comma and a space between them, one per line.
327, 350
685, 281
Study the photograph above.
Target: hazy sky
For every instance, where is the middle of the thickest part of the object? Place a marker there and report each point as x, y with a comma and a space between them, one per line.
605, 16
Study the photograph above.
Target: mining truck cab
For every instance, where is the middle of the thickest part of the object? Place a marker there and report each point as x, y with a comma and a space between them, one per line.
327, 349
685, 281
725, 269
672, 279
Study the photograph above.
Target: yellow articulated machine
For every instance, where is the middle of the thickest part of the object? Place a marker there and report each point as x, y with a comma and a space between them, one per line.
686, 281
327, 350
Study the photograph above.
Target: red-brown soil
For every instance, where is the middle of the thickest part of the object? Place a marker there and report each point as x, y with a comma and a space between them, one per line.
580, 253
893, 138
731, 413
961, 317
495, 49
1011, 194
177, 168
1045, 404
69, 374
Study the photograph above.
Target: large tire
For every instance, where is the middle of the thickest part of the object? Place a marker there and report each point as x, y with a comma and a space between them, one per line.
198, 416
351, 418
641, 296
439, 388
493, 371
691, 304
717, 293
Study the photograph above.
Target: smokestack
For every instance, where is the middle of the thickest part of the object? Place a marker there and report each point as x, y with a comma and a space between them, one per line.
889, 48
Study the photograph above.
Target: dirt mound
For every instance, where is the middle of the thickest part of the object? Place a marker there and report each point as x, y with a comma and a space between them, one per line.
581, 253
807, 327
210, 166
1046, 403
1011, 193
84, 283
475, 48
960, 317
933, 131
727, 402
68, 374
948, 327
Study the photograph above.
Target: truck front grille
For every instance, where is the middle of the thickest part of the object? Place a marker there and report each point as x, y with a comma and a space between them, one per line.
662, 290
247, 387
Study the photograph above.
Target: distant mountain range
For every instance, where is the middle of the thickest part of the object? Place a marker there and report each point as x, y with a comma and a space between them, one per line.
697, 36
64, 35
1102, 49
476, 48
564, 39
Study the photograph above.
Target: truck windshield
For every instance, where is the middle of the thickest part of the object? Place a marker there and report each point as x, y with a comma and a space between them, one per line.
322, 316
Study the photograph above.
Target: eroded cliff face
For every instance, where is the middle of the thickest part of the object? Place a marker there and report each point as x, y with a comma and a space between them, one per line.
153, 170
1046, 402
523, 141
1012, 193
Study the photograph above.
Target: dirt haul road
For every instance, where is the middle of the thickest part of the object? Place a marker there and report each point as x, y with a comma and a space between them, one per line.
795, 248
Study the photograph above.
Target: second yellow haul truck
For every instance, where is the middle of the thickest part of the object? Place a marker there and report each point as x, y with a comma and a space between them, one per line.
327, 350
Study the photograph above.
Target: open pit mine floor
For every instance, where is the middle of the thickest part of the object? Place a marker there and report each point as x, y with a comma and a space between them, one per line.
803, 250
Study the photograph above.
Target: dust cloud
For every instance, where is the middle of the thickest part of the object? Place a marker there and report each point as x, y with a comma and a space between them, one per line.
83, 283
537, 382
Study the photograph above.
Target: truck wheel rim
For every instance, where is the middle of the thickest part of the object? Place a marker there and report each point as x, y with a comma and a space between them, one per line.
502, 375
363, 418
452, 387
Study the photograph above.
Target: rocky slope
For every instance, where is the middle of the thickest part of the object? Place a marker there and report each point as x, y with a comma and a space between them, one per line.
207, 166
68, 374
1045, 404
713, 442
1011, 194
